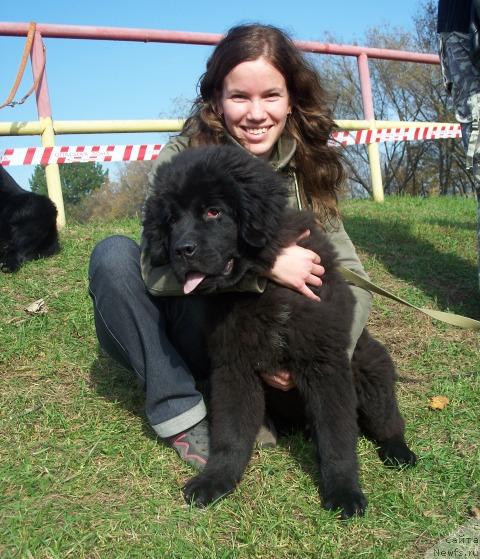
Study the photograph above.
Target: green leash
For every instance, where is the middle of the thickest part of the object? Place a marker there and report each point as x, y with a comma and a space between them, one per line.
449, 318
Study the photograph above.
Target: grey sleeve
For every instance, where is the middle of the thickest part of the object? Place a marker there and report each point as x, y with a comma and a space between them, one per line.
347, 256
172, 148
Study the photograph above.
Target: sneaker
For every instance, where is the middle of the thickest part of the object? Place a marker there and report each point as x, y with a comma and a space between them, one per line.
192, 444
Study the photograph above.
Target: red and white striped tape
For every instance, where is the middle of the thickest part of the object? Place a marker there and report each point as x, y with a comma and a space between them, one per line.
349, 138
78, 154
148, 152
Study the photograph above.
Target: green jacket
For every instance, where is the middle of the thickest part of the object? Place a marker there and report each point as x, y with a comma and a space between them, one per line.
161, 281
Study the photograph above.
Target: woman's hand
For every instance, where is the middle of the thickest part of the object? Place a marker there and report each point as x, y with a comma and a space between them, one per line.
281, 380
297, 267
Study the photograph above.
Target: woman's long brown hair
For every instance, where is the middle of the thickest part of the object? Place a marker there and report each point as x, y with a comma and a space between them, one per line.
318, 166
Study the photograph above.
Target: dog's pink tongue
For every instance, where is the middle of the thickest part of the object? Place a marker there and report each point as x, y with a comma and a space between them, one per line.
192, 279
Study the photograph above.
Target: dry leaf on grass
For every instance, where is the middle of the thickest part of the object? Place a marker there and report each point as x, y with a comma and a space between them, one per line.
37, 307
438, 403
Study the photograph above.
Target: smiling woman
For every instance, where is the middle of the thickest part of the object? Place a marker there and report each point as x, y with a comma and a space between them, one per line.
255, 105
262, 96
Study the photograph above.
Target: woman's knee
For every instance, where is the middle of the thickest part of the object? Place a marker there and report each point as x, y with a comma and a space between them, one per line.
114, 257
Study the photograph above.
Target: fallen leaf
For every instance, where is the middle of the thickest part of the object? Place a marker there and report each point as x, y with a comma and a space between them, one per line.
37, 307
438, 402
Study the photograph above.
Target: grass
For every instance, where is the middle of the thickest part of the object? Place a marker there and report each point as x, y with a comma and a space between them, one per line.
83, 476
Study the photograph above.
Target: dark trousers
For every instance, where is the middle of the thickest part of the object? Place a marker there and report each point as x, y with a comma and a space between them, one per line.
159, 338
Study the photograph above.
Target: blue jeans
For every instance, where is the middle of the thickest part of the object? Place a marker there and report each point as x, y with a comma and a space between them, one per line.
159, 338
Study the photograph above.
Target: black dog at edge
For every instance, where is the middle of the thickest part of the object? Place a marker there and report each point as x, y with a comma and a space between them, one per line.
216, 214
28, 225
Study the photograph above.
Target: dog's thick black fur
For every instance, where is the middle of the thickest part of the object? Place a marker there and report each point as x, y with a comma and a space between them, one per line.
216, 214
28, 225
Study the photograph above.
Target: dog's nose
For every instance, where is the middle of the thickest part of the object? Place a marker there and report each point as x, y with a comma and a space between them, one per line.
186, 248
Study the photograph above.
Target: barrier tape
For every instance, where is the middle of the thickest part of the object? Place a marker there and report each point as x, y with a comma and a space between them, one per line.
349, 138
148, 152
78, 154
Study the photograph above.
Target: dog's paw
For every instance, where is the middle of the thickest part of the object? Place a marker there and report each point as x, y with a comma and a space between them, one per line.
6, 268
348, 502
396, 454
203, 490
10, 264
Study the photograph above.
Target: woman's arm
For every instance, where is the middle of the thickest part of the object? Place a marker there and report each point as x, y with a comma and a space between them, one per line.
297, 268
347, 256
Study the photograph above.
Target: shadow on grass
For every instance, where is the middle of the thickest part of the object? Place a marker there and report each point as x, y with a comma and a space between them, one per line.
467, 226
301, 449
447, 278
118, 384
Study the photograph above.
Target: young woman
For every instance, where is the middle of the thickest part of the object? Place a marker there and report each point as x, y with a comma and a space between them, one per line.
258, 92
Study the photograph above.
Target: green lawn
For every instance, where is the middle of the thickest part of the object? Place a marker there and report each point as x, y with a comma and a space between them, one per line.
82, 474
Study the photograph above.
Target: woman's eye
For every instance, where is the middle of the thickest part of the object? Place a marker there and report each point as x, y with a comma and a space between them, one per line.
212, 213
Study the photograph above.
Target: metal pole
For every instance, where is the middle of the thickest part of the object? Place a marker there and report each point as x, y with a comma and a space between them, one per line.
373, 149
192, 38
34, 128
52, 172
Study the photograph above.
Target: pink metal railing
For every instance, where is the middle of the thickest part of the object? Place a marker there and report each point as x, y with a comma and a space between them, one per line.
162, 36
185, 37
182, 37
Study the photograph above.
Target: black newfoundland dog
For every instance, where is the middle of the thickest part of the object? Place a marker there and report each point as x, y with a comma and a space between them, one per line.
28, 225
216, 214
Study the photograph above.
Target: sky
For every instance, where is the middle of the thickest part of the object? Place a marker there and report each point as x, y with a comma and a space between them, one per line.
123, 80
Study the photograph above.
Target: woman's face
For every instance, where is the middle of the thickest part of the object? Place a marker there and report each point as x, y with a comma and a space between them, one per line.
255, 105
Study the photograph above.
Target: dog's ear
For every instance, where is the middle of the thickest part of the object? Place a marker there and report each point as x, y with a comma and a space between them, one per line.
260, 219
252, 231
8, 184
263, 200
156, 230
261, 193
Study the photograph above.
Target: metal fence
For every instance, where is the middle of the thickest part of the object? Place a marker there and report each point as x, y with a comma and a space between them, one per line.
48, 128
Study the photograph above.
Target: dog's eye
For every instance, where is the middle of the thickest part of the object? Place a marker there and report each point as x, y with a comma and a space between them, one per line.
212, 213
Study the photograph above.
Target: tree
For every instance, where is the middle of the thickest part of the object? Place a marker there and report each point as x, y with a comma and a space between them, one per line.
401, 91
78, 180
122, 197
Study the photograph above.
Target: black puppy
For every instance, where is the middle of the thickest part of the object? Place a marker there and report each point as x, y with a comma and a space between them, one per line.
216, 214
28, 225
